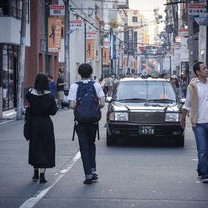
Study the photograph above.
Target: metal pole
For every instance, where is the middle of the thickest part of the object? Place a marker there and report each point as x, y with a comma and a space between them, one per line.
207, 38
21, 62
46, 36
85, 34
102, 46
66, 44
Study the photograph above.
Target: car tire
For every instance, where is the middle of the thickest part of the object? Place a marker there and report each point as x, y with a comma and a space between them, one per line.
179, 142
110, 140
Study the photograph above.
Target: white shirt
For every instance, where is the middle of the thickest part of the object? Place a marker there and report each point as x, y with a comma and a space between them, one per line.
73, 90
202, 89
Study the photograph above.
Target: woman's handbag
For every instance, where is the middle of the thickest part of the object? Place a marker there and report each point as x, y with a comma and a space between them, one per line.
27, 124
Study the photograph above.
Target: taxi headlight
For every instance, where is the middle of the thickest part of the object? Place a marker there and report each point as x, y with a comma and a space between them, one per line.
172, 117
119, 116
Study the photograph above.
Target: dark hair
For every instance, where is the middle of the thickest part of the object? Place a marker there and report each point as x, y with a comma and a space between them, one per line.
85, 70
49, 76
196, 66
41, 83
163, 75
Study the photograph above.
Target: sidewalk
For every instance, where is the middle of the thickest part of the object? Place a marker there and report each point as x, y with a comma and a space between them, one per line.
9, 115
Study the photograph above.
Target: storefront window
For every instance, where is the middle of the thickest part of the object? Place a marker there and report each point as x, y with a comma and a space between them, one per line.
9, 60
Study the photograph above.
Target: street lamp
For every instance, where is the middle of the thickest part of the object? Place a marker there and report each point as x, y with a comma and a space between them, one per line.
85, 37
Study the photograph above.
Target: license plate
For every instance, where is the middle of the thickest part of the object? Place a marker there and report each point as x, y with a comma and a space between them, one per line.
146, 130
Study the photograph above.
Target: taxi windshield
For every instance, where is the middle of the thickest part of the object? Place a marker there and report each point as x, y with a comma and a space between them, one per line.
145, 90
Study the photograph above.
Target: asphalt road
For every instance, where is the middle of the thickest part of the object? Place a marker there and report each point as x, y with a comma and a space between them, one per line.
131, 174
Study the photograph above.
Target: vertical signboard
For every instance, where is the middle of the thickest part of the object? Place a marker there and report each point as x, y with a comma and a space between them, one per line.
128, 42
54, 33
90, 45
106, 56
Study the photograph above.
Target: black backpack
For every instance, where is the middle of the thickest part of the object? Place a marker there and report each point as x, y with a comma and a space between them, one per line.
87, 110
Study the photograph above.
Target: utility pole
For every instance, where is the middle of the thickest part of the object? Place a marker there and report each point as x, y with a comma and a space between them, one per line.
85, 37
207, 37
46, 36
21, 62
66, 43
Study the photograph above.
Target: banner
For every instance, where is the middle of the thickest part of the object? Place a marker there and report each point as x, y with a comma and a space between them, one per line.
54, 34
90, 49
106, 56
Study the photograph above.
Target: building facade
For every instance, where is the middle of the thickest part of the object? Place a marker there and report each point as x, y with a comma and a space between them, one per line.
10, 21
35, 52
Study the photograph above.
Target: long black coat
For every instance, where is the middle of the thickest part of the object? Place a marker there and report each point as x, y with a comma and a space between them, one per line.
42, 141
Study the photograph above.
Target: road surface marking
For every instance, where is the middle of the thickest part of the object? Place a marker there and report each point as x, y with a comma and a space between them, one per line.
31, 202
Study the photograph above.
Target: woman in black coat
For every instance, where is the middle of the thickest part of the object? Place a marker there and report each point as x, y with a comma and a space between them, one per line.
42, 141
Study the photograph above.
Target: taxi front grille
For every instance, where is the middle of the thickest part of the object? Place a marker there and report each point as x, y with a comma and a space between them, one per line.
147, 117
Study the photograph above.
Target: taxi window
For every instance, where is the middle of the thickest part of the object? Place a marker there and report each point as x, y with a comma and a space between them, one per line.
144, 90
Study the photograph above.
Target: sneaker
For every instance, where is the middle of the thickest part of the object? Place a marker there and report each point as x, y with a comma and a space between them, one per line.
95, 176
199, 177
204, 179
87, 181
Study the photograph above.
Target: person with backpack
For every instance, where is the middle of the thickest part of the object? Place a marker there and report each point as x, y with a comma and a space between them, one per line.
86, 99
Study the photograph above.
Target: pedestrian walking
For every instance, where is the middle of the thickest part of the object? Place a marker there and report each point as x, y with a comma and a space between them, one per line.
52, 85
110, 86
86, 131
183, 83
60, 90
104, 85
42, 141
176, 86
197, 103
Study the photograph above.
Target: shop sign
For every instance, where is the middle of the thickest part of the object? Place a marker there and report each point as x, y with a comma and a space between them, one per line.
57, 10
107, 44
202, 20
196, 9
91, 35
75, 24
183, 32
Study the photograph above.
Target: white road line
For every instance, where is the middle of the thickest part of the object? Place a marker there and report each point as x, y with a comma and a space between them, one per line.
31, 202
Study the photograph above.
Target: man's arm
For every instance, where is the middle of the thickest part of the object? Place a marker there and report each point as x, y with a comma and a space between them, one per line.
72, 104
102, 101
183, 118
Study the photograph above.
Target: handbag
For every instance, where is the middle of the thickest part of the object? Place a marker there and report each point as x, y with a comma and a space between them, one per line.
27, 124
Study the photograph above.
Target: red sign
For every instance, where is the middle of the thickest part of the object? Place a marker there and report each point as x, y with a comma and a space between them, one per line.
196, 8
56, 10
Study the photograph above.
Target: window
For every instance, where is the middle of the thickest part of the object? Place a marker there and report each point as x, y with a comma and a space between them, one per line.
134, 19
13, 8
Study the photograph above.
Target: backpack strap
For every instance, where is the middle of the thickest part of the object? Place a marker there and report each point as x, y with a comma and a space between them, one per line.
98, 130
74, 131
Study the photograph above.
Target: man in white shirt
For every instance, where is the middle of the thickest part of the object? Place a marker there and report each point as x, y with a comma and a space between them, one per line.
197, 104
87, 132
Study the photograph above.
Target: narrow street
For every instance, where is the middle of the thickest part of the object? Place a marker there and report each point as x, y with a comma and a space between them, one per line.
131, 174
